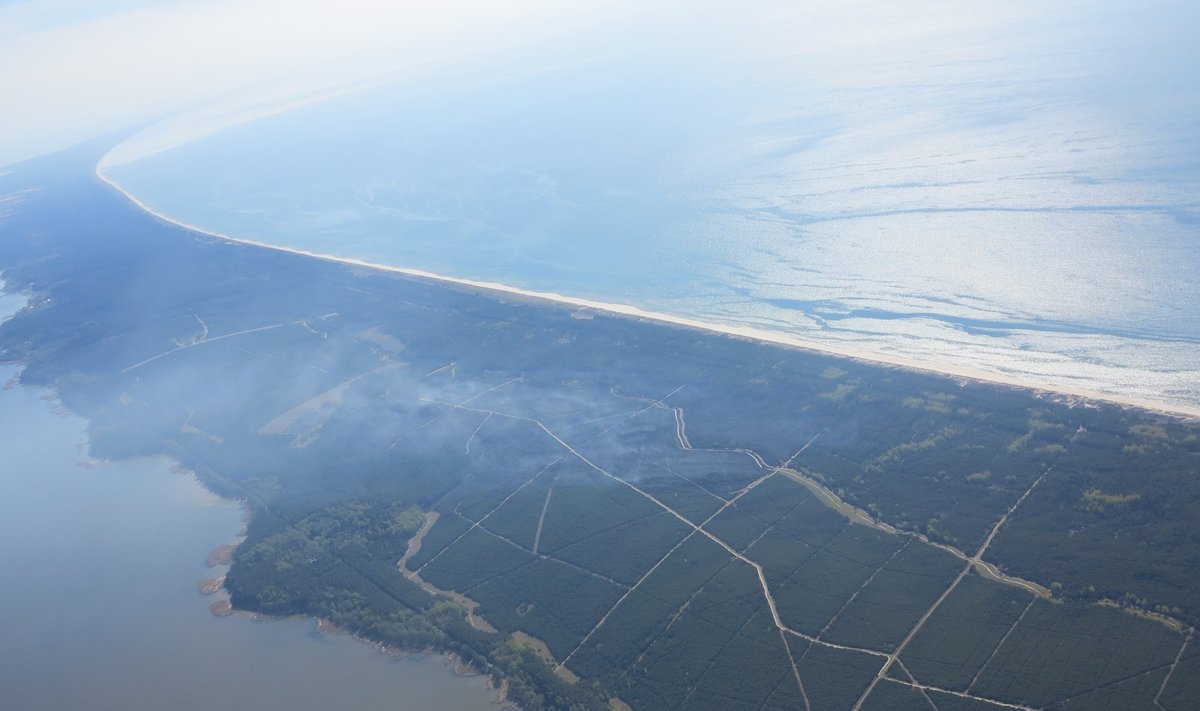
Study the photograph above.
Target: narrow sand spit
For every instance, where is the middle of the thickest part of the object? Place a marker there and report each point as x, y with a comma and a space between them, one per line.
747, 332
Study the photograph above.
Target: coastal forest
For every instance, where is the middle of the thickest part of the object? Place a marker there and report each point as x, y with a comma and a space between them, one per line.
604, 512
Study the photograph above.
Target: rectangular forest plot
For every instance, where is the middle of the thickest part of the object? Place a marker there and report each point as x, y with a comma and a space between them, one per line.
651, 610
585, 503
517, 518
696, 484
475, 503
773, 499
684, 498
685, 649
787, 694
895, 597
547, 599
1183, 688
874, 548
814, 592
748, 668
728, 599
723, 473
736, 528
615, 644
778, 554
473, 559
1060, 652
964, 632
674, 663
1133, 694
687, 570
812, 522
812, 581
755, 514
835, 678
627, 551
890, 695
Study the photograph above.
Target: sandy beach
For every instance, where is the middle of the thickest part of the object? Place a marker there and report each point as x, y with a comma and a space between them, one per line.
747, 332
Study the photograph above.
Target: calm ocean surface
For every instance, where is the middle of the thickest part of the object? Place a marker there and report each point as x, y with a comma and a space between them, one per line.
1013, 187
100, 566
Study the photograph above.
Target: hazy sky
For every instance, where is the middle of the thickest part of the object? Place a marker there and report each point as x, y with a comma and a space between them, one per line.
77, 68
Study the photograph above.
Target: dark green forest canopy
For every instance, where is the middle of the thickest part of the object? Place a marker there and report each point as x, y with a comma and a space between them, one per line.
683, 519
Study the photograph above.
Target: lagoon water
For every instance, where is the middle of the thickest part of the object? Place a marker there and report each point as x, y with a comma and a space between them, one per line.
1009, 186
101, 609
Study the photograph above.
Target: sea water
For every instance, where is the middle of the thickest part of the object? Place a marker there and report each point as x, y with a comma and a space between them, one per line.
1012, 187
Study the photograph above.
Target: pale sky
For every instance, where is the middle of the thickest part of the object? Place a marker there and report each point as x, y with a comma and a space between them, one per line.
79, 68
73, 69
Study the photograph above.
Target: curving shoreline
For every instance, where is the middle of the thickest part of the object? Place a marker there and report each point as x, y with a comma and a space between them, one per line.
745, 332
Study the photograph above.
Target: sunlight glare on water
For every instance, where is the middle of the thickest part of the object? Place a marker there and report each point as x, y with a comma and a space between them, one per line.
1007, 186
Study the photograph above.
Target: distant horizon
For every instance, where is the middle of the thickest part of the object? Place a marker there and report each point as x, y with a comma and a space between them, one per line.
92, 67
